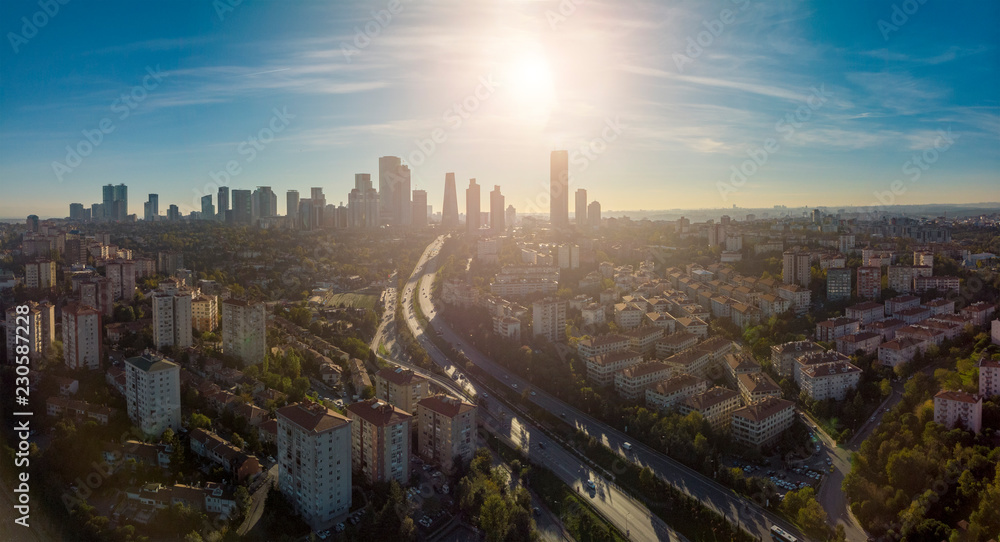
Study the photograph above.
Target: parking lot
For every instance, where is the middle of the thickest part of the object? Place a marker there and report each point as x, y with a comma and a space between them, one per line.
793, 476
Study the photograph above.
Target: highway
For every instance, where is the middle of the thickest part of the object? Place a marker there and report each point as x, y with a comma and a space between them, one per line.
737, 509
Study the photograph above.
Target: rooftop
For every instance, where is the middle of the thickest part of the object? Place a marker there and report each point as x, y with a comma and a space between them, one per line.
378, 412
960, 396
763, 409
446, 405
677, 382
400, 376
312, 417
150, 363
710, 398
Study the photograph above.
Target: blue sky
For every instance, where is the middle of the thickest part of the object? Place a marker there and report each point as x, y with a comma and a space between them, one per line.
651, 121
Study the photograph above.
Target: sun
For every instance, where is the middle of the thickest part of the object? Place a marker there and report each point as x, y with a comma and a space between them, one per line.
531, 87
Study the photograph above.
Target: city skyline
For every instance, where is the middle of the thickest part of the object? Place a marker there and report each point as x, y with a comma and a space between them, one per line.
671, 100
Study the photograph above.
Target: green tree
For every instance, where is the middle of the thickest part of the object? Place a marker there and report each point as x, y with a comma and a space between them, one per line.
494, 518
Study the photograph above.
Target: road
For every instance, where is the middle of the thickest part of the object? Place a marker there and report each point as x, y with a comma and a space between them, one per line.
737, 509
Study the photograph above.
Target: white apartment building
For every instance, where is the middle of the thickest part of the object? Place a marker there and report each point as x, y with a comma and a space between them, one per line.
446, 429
816, 359
380, 441
631, 383
831, 381
244, 330
81, 337
628, 315
153, 393
799, 297
783, 355
665, 394
601, 344
899, 351
40, 274
739, 363
959, 409
755, 387
121, 273
172, 315
989, 377
314, 462
593, 315
715, 405
601, 369
866, 312
205, 313
761, 424
548, 319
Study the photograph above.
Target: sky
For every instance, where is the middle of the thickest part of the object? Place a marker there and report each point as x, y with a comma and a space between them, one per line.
662, 105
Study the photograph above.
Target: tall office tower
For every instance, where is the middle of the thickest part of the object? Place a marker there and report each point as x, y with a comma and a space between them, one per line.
292, 207
472, 207
380, 435
305, 215
108, 202
152, 207
363, 203
242, 207
795, 268
207, 208
153, 393
446, 431
264, 203
394, 190
172, 315
419, 213
97, 292
81, 337
594, 213
40, 274
121, 273
76, 211
96, 211
34, 335
869, 282
318, 207
222, 202
449, 211
838, 283
559, 188
244, 331
120, 202
314, 462
496, 210
173, 213
511, 217
548, 319
581, 207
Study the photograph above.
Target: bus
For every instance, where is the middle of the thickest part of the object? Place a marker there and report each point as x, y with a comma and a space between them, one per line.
780, 534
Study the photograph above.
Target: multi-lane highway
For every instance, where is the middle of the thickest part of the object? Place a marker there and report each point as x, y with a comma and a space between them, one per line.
739, 510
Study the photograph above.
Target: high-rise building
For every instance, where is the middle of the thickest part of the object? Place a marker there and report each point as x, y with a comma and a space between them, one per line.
172, 315
795, 268
121, 273
446, 431
205, 313
152, 208
449, 211
173, 212
581, 207
107, 202
97, 292
264, 203
380, 435
40, 274
314, 462
869, 282
594, 213
548, 319
76, 211
496, 210
838, 283
81, 337
292, 207
120, 203
419, 213
363, 204
511, 218
222, 202
153, 393
817, 217
400, 387
559, 188
472, 207
244, 330
318, 207
242, 207
394, 190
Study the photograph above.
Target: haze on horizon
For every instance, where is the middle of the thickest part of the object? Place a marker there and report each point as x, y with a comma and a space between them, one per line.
818, 103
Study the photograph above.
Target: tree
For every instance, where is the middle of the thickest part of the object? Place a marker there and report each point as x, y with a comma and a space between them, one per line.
494, 518
199, 421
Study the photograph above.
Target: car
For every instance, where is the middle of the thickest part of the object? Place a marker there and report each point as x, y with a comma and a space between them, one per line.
340, 527
515, 386
871, 419
591, 485
533, 393
627, 446
541, 445
563, 415
536, 511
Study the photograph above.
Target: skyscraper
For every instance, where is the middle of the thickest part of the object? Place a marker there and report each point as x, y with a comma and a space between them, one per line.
419, 213
511, 218
242, 207
108, 202
449, 212
318, 207
363, 203
244, 334
496, 210
173, 212
472, 207
594, 213
559, 188
581, 207
222, 202
292, 206
76, 211
394, 190
152, 208
121, 202
207, 209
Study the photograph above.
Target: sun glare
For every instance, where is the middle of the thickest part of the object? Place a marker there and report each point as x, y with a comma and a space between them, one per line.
531, 87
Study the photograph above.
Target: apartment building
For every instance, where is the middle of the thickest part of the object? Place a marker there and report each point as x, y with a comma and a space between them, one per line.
172, 315
446, 431
738, 363
631, 382
989, 377
644, 339
901, 302
244, 330
942, 284
816, 359
40, 274
899, 351
674, 343
628, 315
771, 305
830, 330
380, 441
865, 341
755, 387
601, 344
401, 387
81, 337
959, 409
716, 405
548, 319
601, 369
761, 424
665, 394
205, 313
314, 462
869, 282
830, 381
153, 393
838, 283
866, 312
798, 296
